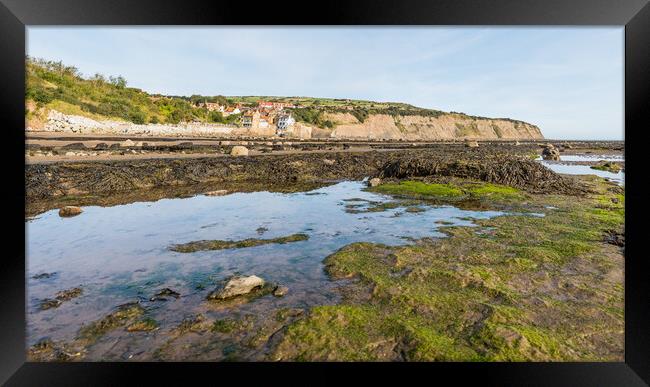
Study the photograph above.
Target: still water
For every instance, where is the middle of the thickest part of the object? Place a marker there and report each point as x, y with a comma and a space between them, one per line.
574, 169
121, 254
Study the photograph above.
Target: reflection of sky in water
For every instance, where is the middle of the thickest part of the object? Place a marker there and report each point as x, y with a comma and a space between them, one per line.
588, 157
584, 170
120, 253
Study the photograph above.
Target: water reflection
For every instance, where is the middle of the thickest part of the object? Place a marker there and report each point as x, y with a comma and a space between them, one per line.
119, 254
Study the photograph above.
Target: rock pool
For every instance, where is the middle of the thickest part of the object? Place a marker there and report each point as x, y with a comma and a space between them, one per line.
122, 253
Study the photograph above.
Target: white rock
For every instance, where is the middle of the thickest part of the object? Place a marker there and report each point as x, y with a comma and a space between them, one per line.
237, 286
127, 143
239, 150
374, 182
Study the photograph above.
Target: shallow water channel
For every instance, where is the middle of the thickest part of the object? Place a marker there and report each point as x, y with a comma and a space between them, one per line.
121, 254
576, 169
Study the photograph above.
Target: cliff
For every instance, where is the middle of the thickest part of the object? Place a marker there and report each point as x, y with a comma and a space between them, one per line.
418, 127
59, 99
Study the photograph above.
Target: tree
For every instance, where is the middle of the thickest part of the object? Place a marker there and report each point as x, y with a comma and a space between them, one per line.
118, 81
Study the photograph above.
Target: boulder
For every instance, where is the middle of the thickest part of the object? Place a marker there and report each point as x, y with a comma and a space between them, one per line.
101, 146
237, 286
127, 143
239, 150
68, 211
375, 181
280, 291
550, 152
471, 143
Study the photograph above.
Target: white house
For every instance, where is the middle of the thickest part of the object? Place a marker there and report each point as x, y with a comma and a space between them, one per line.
284, 121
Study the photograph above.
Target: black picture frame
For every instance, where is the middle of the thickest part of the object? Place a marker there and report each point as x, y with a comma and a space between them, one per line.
15, 15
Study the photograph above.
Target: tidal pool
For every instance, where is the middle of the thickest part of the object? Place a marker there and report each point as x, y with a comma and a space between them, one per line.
588, 157
573, 169
121, 254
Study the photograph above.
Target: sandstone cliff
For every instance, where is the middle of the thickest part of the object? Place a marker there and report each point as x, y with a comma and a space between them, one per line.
346, 126
416, 127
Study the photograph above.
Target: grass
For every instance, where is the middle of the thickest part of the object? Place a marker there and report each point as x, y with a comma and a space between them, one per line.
533, 290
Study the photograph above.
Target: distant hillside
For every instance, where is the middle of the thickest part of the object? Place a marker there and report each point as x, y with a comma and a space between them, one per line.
55, 86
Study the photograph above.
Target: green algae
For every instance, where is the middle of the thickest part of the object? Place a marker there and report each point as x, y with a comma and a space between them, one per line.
607, 166
203, 245
453, 191
539, 289
419, 189
120, 317
146, 324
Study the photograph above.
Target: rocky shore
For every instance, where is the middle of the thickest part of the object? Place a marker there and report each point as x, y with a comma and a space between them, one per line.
92, 182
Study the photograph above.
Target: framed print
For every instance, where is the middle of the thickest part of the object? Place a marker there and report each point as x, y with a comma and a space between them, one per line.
432, 186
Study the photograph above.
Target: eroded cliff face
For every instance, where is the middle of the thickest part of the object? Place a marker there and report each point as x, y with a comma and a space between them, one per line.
346, 126
412, 127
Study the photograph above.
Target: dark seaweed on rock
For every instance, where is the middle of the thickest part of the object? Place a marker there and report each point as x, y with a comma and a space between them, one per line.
520, 173
44, 181
203, 245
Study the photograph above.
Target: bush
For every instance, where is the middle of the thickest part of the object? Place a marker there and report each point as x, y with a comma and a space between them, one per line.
360, 114
137, 117
215, 116
40, 95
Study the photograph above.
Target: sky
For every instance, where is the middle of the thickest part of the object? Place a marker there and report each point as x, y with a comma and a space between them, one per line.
568, 81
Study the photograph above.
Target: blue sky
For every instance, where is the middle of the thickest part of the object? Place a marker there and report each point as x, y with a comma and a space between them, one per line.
568, 81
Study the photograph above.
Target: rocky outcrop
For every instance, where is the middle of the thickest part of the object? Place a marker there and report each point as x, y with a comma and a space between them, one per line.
550, 152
